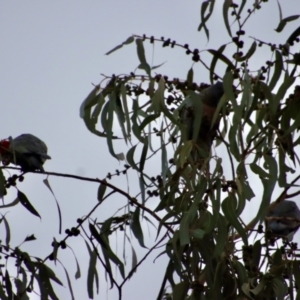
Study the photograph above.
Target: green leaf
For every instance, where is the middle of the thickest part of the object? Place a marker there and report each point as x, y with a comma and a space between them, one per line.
86, 109
229, 205
251, 50
288, 81
222, 57
104, 242
164, 161
91, 274
2, 293
284, 21
143, 156
88, 102
233, 144
296, 272
282, 169
125, 106
226, 6
97, 109
157, 66
180, 290
197, 108
241, 272
244, 189
280, 11
134, 119
293, 36
46, 182
221, 236
148, 120
101, 191
204, 18
109, 124
141, 55
30, 238
268, 187
128, 41
190, 76
78, 272
185, 151
277, 71
198, 233
69, 284
25, 202
293, 127
189, 216
249, 53
120, 115
44, 281
52, 275
142, 187
227, 85
259, 171
256, 253
273, 104
241, 7
134, 260
2, 184
8, 285
184, 231
246, 97
280, 288
130, 158
221, 106
214, 62
136, 227
7, 229
21, 289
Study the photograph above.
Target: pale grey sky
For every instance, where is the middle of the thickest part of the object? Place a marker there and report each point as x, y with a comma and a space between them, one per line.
51, 52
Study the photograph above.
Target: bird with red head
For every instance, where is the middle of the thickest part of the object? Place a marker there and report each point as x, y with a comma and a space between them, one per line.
26, 151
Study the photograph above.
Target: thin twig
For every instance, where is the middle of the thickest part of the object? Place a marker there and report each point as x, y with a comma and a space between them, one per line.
140, 262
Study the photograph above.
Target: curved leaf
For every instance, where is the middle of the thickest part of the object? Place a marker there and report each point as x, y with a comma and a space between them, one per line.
128, 41
2, 184
101, 191
136, 227
204, 18
284, 21
293, 36
226, 6
229, 205
141, 55
222, 57
277, 71
25, 202
46, 182
190, 76
180, 290
214, 62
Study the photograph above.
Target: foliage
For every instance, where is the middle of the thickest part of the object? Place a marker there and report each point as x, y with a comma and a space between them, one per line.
211, 253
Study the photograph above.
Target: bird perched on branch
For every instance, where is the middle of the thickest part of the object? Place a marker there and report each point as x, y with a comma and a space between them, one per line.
209, 97
284, 219
26, 151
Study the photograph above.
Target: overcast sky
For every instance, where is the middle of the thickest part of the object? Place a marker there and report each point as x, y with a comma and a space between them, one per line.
51, 52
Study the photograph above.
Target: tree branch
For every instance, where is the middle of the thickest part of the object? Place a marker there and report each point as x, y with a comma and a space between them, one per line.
104, 182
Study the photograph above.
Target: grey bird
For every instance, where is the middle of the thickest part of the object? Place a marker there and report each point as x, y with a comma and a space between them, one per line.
284, 227
26, 151
210, 97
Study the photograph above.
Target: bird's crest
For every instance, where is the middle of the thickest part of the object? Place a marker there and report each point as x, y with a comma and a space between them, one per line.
4, 146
